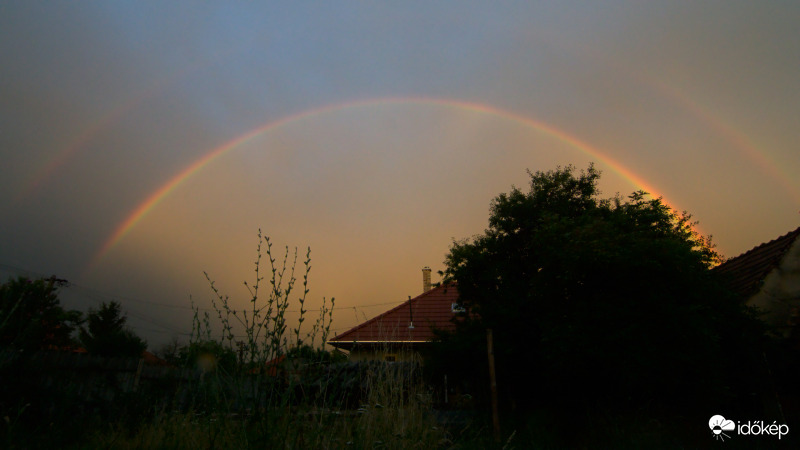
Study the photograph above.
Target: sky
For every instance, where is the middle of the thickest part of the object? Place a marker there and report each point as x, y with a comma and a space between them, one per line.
145, 143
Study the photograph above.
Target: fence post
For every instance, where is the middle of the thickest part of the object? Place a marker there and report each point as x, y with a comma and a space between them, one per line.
493, 385
138, 374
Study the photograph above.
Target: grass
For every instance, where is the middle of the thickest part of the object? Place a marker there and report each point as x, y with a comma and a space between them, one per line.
264, 384
305, 400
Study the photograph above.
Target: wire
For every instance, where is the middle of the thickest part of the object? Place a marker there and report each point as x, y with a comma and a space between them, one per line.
98, 297
169, 305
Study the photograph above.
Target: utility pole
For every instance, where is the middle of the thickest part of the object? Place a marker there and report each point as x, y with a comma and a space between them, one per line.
493, 385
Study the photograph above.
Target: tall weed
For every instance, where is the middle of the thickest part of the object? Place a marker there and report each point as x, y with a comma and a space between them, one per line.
284, 389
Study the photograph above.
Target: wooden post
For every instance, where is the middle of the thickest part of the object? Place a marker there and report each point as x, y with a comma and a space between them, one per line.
138, 374
493, 385
445, 389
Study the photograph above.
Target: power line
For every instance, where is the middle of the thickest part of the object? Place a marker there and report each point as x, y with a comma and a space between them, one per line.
169, 305
93, 294
190, 308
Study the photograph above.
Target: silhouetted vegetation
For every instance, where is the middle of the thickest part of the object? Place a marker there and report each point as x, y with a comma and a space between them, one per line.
610, 331
600, 308
31, 316
246, 379
105, 334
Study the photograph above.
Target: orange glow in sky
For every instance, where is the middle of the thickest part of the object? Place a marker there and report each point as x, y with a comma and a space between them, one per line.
145, 143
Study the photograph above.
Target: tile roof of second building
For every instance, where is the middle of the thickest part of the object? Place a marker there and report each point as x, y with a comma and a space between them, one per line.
432, 309
747, 271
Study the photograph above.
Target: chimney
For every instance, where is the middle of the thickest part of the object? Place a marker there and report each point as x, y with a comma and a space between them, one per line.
426, 279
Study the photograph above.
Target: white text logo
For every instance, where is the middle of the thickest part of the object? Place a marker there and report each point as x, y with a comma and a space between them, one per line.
719, 425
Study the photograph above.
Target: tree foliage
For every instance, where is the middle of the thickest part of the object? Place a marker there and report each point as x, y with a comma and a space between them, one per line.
105, 333
31, 316
208, 356
596, 299
171, 351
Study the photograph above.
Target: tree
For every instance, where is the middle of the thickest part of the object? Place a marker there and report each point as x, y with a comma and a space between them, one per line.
208, 356
605, 301
105, 333
171, 351
31, 316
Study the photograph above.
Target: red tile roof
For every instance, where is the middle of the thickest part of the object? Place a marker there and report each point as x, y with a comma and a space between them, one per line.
747, 272
432, 309
153, 360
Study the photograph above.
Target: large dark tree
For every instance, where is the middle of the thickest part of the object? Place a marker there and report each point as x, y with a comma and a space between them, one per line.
105, 333
597, 301
31, 316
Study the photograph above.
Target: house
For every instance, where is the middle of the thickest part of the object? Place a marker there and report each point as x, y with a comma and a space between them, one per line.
768, 278
400, 333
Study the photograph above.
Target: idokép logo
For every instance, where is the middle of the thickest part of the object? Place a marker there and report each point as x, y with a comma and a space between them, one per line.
719, 425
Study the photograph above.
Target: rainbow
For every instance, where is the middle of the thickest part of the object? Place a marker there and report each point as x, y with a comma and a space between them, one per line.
162, 192
80, 141
736, 138
57, 161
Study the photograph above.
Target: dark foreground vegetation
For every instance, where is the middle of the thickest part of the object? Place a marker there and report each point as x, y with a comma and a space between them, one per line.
247, 379
609, 331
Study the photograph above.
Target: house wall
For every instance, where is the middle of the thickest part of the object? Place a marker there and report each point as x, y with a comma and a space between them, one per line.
779, 298
398, 355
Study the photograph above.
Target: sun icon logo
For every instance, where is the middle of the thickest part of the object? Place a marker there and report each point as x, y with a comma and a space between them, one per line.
718, 425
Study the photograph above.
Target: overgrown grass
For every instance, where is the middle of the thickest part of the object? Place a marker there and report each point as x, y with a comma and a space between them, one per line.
262, 380
283, 390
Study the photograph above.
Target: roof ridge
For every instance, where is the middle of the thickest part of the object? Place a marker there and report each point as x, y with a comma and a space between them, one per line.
764, 244
441, 286
746, 273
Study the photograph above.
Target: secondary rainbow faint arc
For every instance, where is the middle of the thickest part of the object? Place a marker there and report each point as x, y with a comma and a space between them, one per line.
155, 198
738, 139
79, 142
